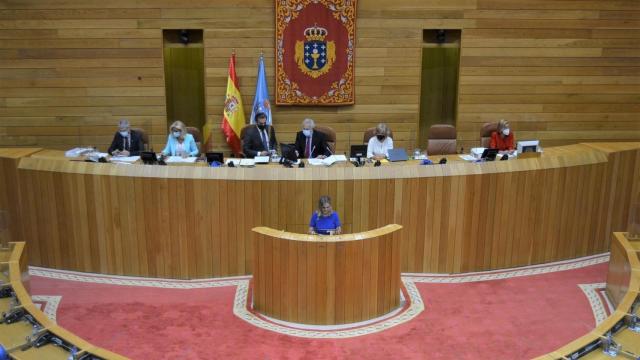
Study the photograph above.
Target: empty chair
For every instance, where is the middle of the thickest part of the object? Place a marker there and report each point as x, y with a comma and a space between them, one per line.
197, 136
330, 136
370, 132
144, 136
442, 140
485, 133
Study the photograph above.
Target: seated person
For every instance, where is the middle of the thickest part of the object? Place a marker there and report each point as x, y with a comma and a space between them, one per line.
126, 142
380, 143
325, 221
180, 142
259, 139
503, 139
310, 143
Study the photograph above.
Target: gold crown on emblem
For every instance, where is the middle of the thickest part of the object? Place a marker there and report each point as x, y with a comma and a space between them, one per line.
315, 33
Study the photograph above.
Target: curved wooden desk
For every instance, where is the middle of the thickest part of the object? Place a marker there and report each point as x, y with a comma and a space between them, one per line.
326, 280
196, 221
17, 337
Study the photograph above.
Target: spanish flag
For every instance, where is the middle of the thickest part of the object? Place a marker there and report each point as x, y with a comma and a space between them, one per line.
233, 114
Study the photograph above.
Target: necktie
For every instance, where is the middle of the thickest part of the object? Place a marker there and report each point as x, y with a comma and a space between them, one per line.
265, 142
307, 148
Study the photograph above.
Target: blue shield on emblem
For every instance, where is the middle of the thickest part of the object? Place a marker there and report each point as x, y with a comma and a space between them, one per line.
315, 54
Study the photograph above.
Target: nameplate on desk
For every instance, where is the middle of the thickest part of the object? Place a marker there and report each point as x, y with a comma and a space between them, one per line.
247, 162
260, 160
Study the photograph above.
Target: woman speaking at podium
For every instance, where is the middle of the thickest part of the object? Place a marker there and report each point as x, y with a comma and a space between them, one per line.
325, 221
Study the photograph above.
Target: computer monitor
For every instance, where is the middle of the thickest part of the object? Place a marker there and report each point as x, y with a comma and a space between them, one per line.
288, 152
358, 151
215, 156
489, 154
528, 146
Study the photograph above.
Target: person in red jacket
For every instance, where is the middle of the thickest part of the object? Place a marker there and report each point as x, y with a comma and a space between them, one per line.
504, 138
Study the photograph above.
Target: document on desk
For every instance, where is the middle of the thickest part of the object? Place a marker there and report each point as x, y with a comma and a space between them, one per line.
339, 157
328, 161
467, 157
180, 159
125, 159
79, 151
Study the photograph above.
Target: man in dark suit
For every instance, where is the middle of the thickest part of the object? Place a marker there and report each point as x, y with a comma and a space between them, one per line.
126, 142
310, 143
259, 139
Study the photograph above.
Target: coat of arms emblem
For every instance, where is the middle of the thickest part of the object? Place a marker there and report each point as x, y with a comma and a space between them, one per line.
315, 56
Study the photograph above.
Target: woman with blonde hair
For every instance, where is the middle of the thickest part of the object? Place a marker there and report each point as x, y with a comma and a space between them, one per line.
180, 142
504, 138
379, 144
325, 221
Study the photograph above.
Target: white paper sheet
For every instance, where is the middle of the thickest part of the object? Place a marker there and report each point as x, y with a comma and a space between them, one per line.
180, 159
125, 159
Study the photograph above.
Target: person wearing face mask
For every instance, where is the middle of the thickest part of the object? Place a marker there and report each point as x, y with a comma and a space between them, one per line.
180, 142
503, 139
125, 142
310, 143
379, 144
259, 139
325, 221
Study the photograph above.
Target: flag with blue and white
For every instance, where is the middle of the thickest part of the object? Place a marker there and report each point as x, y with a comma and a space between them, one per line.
261, 101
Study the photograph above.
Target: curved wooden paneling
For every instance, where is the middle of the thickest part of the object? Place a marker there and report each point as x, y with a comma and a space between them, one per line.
9, 194
326, 280
17, 336
194, 222
623, 287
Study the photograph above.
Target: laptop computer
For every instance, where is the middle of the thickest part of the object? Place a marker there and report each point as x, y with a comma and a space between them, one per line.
358, 151
398, 154
489, 154
215, 156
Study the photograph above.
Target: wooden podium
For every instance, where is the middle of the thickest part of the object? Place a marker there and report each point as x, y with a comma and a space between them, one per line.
326, 280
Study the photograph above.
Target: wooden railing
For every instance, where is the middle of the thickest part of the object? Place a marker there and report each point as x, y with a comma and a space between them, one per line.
623, 288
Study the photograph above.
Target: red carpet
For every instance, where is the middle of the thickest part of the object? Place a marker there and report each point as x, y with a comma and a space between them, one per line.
514, 318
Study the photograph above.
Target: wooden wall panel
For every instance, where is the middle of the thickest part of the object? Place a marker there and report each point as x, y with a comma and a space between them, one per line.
10, 193
194, 222
560, 71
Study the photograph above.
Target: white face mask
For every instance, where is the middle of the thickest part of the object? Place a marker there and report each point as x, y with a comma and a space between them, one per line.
176, 134
505, 132
124, 133
306, 132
